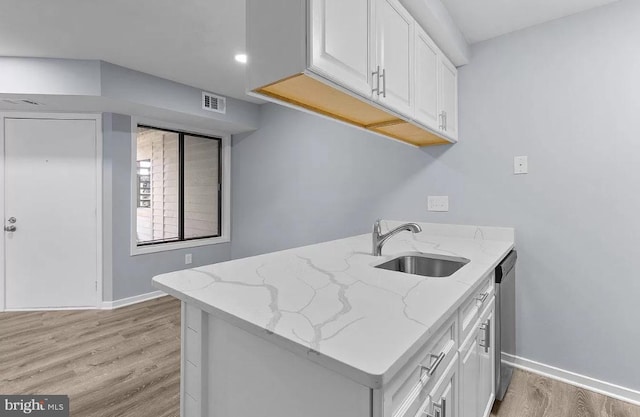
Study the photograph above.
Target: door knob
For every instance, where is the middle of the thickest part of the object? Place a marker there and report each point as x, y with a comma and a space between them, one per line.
10, 228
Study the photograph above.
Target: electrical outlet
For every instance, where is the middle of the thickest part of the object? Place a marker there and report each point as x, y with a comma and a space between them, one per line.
520, 165
188, 259
438, 203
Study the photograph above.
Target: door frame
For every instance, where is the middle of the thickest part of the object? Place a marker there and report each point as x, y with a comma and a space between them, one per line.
97, 118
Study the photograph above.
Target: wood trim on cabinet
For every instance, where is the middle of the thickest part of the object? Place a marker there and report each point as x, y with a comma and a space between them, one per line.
410, 133
304, 91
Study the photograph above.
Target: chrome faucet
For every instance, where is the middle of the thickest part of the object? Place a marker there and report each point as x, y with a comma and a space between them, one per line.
379, 239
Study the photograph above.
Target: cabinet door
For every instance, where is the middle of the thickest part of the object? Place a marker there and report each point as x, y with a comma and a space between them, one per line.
427, 62
443, 399
486, 382
340, 47
449, 97
469, 376
394, 56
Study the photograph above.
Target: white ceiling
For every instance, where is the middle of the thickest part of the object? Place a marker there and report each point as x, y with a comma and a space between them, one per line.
189, 41
484, 19
194, 41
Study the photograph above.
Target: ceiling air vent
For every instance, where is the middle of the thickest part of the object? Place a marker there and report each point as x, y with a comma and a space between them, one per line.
20, 101
214, 103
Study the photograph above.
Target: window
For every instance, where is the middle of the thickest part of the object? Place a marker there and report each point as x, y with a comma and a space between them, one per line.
179, 187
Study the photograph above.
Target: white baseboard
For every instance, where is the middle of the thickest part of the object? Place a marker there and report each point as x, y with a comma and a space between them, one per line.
572, 378
123, 302
17, 310
106, 305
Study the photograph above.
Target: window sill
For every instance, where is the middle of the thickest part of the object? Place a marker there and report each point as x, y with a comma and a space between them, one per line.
164, 247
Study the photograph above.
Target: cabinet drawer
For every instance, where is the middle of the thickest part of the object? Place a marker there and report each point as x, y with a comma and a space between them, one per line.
412, 384
477, 302
442, 400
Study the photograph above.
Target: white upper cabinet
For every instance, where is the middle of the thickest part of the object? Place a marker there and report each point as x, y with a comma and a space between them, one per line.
364, 62
394, 53
340, 42
449, 98
436, 87
427, 59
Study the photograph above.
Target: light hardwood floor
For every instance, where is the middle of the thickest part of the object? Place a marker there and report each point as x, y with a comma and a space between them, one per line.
125, 363
531, 395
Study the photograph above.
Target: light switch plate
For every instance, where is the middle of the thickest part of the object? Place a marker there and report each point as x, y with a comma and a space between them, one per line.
520, 165
438, 203
188, 259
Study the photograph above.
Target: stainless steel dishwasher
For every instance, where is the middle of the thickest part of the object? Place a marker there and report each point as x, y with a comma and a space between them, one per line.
506, 316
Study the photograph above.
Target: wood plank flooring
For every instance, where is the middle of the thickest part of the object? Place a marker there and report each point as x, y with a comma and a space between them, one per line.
531, 395
126, 363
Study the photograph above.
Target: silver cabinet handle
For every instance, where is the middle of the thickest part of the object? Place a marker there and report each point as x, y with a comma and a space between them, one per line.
482, 297
10, 228
376, 73
444, 113
439, 409
486, 342
432, 367
384, 83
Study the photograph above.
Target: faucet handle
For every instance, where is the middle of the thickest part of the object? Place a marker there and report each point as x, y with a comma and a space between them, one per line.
377, 228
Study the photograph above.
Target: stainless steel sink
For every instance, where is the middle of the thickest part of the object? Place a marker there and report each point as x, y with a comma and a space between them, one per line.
427, 265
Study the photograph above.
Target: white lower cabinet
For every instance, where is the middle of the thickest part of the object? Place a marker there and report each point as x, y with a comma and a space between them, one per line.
442, 401
228, 372
477, 387
466, 387
469, 375
486, 387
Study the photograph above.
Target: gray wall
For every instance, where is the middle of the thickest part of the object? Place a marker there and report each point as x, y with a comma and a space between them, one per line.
21, 75
302, 179
70, 85
129, 86
125, 275
567, 95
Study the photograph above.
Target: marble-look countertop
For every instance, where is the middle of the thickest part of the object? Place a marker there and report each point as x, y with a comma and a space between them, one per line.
328, 303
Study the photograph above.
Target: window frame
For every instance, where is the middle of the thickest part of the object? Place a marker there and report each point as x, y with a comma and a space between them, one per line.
225, 194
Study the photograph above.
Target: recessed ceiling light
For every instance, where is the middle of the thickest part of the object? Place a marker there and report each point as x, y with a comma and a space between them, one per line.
241, 58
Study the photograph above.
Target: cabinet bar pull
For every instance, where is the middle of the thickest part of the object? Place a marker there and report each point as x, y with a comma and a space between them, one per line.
440, 410
377, 75
444, 114
482, 297
384, 83
432, 368
486, 343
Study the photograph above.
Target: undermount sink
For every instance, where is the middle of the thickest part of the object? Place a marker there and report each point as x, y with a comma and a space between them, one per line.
438, 266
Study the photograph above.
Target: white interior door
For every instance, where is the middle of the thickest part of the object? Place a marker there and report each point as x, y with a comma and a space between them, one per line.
51, 200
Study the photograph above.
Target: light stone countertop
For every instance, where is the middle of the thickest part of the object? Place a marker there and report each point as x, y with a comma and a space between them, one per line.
327, 303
